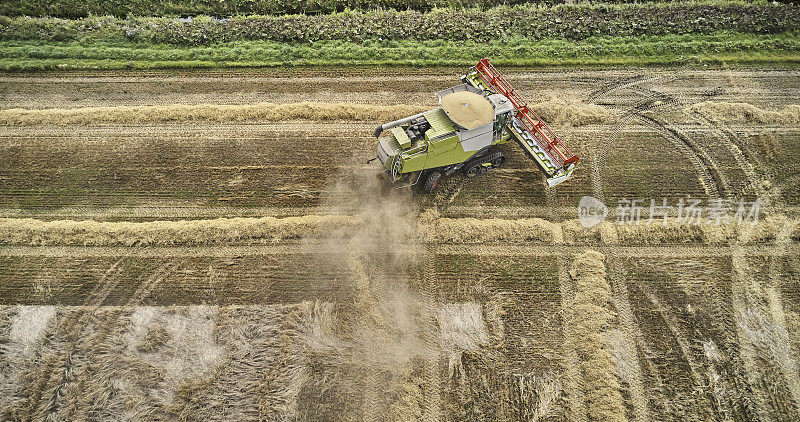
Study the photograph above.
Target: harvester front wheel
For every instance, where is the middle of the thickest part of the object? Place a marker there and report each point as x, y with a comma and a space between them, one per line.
432, 180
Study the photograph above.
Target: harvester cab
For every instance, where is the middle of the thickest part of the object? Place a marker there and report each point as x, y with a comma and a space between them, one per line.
461, 135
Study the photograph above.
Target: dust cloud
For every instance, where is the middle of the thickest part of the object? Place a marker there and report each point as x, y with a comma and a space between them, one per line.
384, 346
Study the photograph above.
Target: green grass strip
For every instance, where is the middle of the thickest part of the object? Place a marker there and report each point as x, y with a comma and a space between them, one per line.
723, 47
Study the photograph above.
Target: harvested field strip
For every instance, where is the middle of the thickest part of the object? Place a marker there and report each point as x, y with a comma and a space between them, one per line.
592, 319
212, 112
28, 231
626, 340
744, 113
245, 362
554, 110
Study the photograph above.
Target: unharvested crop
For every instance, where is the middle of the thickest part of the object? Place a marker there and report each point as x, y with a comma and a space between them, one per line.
212, 112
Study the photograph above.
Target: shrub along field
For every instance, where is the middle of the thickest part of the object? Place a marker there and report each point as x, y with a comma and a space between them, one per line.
77, 8
638, 34
499, 23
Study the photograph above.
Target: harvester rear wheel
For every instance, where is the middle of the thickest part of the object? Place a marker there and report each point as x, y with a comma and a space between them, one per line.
432, 180
473, 170
498, 161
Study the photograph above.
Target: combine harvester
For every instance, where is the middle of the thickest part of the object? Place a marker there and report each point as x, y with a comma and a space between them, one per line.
482, 112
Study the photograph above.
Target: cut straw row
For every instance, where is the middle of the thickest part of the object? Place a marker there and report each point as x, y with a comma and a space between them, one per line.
27, 231
557, 111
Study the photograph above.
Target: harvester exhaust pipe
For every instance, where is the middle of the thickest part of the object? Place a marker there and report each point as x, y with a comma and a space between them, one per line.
381, 128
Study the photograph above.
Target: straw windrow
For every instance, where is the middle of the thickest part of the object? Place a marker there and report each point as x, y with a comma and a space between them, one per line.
556, 111
591, 320
32, 232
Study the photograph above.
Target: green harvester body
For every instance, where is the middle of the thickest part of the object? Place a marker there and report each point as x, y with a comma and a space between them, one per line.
474, 117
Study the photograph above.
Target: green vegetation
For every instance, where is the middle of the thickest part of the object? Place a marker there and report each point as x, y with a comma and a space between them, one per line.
727, 47
499, 23
604, 34
81, 8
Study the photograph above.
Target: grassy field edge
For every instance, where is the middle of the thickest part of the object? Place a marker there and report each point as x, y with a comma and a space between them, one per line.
723, 47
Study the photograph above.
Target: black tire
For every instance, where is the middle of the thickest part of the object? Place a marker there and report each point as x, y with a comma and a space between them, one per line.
498, 161
473, 170
432, 181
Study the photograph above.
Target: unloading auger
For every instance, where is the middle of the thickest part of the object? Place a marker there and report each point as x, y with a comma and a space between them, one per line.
462, 134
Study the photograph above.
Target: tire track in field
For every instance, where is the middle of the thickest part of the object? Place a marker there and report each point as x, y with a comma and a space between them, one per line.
712, 180
741, 153
656, 385
624, 82
106, 286
433, 380
652, 100
631, 336
46, 384
673, 325
747, 160
710, 177
94, 338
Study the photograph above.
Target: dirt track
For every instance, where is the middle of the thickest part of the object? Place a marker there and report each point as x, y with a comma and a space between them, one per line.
376, 318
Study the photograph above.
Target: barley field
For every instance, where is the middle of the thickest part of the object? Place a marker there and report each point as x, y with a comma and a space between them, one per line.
211, 245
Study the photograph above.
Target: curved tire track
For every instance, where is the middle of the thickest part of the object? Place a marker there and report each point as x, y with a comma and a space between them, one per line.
712, 180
